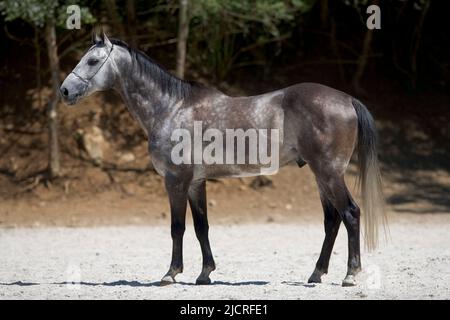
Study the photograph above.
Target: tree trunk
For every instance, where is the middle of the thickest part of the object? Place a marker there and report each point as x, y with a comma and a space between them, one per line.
37, 48
131, 19
416, 46
183, 32
116, 22
363, 57
335, 49
324, 13
52, 112
362, 61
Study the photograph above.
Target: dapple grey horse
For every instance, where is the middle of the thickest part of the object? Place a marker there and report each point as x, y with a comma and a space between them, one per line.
318, 126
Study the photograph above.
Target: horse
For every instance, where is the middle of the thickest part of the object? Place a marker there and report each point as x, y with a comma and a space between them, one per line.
317, 125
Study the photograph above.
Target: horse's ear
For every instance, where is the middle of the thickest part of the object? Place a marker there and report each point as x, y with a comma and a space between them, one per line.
97, 37
106, 41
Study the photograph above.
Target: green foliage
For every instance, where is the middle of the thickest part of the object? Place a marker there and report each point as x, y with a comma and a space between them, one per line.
267, 13
357, 3
218, 24
86, 15
37, 12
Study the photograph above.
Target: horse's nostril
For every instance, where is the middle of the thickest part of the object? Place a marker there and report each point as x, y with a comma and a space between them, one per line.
64, 91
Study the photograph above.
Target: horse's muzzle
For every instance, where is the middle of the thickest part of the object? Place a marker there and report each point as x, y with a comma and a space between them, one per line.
72, 89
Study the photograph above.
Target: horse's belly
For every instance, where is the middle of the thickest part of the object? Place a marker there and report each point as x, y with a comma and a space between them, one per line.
241, 171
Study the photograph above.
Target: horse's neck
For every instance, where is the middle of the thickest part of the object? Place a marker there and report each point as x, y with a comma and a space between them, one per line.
145, 100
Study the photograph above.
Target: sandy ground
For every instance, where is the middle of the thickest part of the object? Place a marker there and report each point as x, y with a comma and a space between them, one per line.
254, 261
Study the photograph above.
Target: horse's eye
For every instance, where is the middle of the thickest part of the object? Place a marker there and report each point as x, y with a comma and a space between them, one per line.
92, 62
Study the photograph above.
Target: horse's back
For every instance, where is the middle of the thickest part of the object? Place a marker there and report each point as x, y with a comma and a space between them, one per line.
315, 95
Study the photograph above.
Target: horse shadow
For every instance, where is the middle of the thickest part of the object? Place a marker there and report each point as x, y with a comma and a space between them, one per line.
134, 283
303, 284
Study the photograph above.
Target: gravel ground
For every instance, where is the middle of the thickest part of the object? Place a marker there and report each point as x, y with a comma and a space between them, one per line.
254, 261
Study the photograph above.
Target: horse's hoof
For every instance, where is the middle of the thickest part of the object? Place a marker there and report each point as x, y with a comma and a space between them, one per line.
315, 277
349, 281
203, 281
166, 281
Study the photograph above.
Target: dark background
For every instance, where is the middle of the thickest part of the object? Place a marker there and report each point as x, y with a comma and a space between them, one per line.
401, 72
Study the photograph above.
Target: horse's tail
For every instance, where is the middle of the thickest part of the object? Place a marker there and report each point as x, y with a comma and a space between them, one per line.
369, 179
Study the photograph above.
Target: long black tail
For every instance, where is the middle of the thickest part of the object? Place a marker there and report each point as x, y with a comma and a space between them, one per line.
369, 176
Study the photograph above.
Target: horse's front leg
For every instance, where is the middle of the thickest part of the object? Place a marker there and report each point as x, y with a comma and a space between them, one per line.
197, 200
177, 189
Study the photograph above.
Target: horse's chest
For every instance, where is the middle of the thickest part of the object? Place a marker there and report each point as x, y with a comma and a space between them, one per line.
160, 159
159, 165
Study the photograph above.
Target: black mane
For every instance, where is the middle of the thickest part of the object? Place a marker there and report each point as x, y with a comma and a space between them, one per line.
168, 83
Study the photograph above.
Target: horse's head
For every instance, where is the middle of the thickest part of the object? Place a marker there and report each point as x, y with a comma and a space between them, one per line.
94, 72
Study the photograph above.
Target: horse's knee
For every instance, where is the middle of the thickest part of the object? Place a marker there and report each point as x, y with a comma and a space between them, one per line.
332, 224
200, 223
201, 232
177, 229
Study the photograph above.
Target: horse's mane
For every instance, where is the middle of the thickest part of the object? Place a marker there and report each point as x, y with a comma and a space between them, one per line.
168, 83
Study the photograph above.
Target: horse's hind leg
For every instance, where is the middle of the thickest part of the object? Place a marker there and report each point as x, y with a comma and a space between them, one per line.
332, 221
333, 188
351, 218
197, 201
